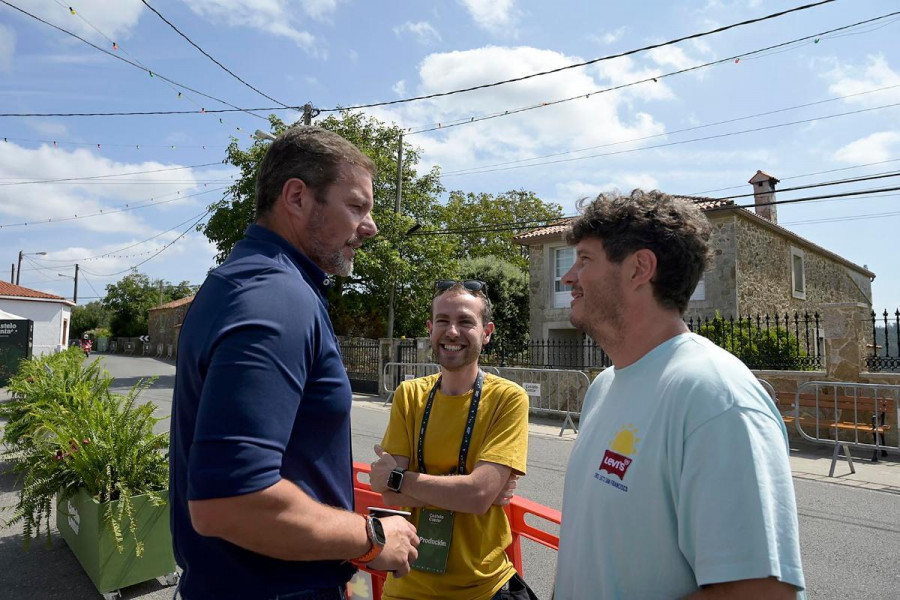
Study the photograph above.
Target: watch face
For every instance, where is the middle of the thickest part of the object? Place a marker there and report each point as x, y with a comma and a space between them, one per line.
394, 480
378, 530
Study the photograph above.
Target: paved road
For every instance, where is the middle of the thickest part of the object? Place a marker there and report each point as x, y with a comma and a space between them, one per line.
850, 536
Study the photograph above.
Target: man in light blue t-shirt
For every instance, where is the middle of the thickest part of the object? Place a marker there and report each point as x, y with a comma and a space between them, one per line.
679, 484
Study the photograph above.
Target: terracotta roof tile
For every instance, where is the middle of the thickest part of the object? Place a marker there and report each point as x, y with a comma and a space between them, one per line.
174, 303
11, 289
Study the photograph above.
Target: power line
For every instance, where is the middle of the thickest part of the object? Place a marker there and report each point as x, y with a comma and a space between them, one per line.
585, 63
480, 170
112, 252
859, 166
684, 130
163, 249
126, 208
518, 225
736, 58
113, 174
206, 54
885, 175
202, 111
100, 145
132, 63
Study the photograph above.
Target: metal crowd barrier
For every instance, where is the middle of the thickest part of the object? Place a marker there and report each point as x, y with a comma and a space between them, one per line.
550, 391
516, 512
831, 409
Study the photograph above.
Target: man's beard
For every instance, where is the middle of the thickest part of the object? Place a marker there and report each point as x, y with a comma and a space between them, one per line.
334, 262
470, 354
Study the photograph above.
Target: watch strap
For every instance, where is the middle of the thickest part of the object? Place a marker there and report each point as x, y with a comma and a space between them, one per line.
374, 547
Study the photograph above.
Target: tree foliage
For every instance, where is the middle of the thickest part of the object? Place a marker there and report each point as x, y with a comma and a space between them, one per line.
494, 213
92, 315
410, 260
130, 299
508, 291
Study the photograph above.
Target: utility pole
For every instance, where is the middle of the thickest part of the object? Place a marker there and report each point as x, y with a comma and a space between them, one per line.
12, 273
307, 114
19, 268
390, 331
75, 293
160, 291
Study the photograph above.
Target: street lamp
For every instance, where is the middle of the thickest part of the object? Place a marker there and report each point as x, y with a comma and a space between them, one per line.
259, 134
19, 268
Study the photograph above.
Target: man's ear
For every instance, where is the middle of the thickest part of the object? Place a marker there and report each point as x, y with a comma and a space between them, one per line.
428, 326
488, 331
295, 194
641, 267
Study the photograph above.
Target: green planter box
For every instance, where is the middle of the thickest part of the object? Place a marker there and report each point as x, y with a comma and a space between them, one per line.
80, 522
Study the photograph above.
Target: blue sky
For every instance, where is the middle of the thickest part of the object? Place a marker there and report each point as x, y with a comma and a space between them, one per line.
340, 52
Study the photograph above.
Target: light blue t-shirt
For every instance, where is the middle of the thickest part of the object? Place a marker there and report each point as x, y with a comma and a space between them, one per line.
679, 478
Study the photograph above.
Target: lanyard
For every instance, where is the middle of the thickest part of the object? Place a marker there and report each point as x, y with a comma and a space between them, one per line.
467, 434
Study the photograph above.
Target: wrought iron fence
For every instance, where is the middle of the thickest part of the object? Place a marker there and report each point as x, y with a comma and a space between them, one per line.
885, 357
781, 342
551, 354
361, 360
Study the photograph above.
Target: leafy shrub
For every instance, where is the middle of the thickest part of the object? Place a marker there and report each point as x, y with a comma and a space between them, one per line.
69, 432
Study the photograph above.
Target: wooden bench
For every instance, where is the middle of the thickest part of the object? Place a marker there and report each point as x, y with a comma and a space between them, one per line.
827, 401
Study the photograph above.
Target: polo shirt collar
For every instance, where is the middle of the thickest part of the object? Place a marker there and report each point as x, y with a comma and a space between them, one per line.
317, 276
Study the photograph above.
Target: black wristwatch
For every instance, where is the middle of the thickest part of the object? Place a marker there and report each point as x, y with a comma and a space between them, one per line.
395, 479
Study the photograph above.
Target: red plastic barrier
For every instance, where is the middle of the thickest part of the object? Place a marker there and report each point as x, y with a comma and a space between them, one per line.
516, 511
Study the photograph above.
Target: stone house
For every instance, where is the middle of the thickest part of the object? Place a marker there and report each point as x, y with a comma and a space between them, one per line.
164, 324
758, 266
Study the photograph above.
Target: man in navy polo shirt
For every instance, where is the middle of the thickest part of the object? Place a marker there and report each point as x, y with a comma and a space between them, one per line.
261, 483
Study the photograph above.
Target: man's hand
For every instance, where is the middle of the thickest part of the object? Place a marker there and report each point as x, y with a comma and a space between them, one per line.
508, 491
400, 548
381, 468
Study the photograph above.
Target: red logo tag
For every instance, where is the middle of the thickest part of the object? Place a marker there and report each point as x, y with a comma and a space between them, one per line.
615, 464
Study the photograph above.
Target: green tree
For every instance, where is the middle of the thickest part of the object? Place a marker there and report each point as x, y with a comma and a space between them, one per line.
759, 347
508, 291
358, 305
89, 316
130, 299
496, 213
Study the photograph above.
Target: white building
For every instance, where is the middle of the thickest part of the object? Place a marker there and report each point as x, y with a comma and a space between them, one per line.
51, 315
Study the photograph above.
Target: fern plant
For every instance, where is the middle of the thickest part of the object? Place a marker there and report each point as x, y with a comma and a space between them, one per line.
48, 382
88, 438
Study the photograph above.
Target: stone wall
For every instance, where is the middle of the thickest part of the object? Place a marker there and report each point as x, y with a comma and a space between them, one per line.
161, 324
720, 278
764, 274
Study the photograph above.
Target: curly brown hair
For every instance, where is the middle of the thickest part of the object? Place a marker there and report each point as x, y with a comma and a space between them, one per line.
674, 229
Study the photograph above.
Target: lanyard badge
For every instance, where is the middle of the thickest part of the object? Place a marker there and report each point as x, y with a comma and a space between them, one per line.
435, 526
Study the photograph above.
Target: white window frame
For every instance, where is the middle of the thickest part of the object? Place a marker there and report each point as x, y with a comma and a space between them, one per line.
561, 299
699, 294
798, 253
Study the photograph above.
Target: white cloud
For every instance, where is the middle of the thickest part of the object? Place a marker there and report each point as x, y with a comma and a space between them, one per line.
400, 88
570, 191
875, 73
114, 19
7, 48
51, 128
85, 197
275, 17
353, 55
610, 37
672, 56
422, 31
600, 119
495, 16
876, 147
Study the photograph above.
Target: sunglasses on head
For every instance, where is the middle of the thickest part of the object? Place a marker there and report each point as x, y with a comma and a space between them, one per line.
472, 285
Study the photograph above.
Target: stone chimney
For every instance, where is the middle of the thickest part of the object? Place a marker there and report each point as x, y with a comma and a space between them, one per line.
763, 194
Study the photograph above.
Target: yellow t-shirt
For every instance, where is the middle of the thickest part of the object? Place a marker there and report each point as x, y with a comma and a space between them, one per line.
477, 565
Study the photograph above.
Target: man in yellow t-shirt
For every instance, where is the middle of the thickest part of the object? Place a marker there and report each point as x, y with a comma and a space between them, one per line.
454, 447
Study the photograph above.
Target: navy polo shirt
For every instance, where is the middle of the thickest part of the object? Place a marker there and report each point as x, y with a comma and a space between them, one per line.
261, 394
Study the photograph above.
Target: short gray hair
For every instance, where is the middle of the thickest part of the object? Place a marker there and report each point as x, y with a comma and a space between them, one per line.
312, 154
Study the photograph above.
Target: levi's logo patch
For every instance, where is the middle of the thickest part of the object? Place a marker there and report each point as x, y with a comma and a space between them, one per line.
618, 457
